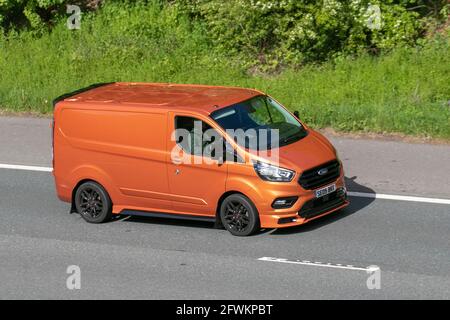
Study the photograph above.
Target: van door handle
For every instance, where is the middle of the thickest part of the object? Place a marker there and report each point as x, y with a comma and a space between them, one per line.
176, 160
177, 171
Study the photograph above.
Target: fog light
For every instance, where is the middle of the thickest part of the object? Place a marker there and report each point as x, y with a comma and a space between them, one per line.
342, 192
285, 202
287, 220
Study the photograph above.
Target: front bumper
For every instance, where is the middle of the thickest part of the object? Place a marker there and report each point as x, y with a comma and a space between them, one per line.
307, 208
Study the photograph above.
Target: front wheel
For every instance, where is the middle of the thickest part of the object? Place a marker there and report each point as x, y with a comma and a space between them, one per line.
93, 202
239, 215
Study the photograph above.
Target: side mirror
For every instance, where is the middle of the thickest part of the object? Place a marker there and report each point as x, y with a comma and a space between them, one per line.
296, 114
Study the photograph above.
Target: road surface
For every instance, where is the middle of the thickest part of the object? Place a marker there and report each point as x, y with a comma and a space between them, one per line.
149, 258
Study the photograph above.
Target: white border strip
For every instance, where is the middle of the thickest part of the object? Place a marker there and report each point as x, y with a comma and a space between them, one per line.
396, 197
317, 264
27, 168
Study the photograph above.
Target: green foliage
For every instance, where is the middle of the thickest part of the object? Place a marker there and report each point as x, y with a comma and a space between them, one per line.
36, 15
406, 90
151, 43
267, 35
293, 32
403, 88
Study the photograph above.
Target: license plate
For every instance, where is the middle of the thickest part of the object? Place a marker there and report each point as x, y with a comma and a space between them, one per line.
324, 191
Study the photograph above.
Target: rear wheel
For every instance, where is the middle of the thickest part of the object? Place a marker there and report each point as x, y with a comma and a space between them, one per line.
93, 202
239, 215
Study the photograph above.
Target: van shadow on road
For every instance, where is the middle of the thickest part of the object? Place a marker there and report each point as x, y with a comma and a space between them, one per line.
356, 204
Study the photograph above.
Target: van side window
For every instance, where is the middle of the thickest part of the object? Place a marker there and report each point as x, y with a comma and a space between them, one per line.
192, 136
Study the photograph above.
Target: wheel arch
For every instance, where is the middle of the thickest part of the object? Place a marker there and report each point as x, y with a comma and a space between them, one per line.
73, 209
87, 173
218, 223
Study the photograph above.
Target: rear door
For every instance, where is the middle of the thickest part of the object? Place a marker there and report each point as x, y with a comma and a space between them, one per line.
196, 175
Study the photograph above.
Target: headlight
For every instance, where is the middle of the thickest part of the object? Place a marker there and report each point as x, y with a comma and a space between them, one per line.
269, 172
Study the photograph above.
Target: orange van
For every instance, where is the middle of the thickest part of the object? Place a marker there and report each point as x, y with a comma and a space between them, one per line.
228, 155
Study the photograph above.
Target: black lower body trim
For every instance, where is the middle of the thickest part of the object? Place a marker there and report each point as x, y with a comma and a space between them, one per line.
166, 215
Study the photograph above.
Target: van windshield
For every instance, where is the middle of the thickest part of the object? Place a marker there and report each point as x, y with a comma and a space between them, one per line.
264, 121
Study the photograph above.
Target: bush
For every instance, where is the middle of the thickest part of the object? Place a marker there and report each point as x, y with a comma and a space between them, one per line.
135, 43
293, 32
405, 90
269, 34
36, 15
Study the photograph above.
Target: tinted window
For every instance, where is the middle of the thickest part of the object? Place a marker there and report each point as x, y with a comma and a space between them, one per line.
195, 136
261, 114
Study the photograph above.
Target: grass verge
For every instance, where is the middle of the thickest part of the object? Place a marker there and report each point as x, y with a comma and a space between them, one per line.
406, 91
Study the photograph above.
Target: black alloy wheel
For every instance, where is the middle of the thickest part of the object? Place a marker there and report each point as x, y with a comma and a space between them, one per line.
239, 215
93, 202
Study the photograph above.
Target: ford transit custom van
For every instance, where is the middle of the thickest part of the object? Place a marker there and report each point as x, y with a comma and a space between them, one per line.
228, 155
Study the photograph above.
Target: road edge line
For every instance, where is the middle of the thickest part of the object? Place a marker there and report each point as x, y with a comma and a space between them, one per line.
398, 197
26, 168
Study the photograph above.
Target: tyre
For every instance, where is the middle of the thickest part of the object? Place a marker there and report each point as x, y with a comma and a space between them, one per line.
93, 202
239, 215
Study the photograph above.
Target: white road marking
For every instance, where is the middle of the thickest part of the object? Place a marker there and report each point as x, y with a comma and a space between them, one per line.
315, 264
398, 197
352, 194
27, 168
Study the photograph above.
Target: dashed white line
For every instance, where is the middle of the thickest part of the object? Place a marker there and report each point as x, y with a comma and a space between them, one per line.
352, 194
317, 264
26, 168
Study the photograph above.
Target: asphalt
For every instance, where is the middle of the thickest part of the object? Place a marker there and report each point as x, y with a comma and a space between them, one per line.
169, 259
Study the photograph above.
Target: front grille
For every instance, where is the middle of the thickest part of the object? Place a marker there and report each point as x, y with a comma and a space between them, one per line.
311, 179
321, 205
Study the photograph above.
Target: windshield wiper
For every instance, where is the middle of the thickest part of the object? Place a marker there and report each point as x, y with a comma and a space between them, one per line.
295, 137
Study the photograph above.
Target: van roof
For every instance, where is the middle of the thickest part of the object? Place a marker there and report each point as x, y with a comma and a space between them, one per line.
161, 95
